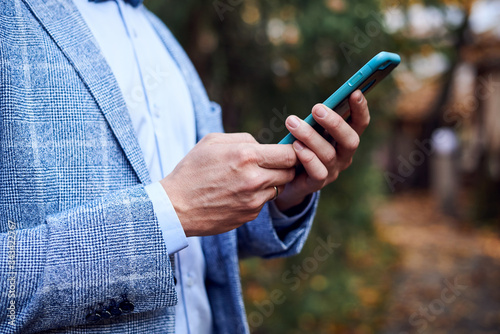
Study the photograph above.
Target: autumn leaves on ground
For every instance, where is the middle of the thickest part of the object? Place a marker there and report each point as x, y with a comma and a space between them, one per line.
417, 272
448, 275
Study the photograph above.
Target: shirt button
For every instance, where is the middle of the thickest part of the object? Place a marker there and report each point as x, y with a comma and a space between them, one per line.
189, 281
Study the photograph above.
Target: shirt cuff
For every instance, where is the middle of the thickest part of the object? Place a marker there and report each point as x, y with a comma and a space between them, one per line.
170, 225
280, 220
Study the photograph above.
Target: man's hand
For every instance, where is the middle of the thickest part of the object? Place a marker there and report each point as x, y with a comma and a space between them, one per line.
321, 160
225, 180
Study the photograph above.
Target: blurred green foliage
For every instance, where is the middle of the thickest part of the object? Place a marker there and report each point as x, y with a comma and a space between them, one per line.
263, 59
286, 56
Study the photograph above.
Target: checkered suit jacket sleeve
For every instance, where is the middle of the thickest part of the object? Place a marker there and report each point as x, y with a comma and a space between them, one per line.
84, 256
77, 228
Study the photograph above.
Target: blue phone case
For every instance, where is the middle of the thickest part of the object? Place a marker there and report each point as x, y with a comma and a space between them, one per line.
365, 79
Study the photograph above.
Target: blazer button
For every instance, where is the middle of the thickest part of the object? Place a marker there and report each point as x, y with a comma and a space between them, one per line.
175, 280
126, 306
105, 314
93, 317
115, 311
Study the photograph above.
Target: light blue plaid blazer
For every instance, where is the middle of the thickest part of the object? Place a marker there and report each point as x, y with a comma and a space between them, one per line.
72, 197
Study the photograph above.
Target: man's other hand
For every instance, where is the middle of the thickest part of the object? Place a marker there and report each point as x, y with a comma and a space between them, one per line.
321, 160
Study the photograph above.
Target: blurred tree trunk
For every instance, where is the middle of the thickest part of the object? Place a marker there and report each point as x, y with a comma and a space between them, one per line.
435, 119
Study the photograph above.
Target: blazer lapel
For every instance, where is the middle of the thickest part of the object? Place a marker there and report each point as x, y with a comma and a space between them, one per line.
65, 25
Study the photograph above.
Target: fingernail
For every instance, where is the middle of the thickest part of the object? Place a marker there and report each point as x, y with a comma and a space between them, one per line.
298, 146
321, 112
293, 122
360, 98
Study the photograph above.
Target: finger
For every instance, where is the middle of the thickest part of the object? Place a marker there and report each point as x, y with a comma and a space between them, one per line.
346, 138
315, 169
277, 177
276, 156
360, 114
233, 138
311, 138
274, 192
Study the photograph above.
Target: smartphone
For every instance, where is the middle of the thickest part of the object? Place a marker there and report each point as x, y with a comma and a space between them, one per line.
365, 79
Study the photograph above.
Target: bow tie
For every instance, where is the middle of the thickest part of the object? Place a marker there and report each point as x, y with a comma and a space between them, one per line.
134, 3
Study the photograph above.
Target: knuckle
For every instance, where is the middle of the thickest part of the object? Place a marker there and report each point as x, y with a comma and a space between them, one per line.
212, 136
209, 137
246, 155
366, 121
353, 143
334, 175
291, 158
330, 155
248, 137
246, 186
252, 181
336, 121
322, 175
348, 163
255, 204
253, 215
364, 103
319, 177
307, 157
308, 134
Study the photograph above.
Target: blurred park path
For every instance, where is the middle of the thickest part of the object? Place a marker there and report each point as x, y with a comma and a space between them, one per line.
448, 277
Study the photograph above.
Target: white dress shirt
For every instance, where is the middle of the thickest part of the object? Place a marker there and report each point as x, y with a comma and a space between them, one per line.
161, 111
162, 115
